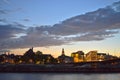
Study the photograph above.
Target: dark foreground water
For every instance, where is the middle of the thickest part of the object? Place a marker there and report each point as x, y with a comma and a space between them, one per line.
56, 76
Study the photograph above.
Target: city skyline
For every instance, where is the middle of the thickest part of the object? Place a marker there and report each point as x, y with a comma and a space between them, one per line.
49, 26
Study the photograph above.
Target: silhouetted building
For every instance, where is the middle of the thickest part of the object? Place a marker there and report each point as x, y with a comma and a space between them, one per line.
109, 57
29, 53
46, 58
29, 56
63, 58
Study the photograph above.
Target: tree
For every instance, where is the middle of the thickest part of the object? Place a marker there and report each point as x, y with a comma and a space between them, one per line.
38, 57
38, 53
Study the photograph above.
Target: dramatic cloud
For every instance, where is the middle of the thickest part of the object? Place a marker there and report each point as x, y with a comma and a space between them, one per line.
100, 35
97, 25
102, 19
32, 38
9, 31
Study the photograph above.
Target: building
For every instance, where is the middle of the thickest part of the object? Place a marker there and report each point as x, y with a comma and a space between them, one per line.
91, 56
109, 57
46, 58
29, 56
63, 58
94, 56
101, 56
78, 56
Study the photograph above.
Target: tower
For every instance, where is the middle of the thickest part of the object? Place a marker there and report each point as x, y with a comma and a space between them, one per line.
63, 53
32, 48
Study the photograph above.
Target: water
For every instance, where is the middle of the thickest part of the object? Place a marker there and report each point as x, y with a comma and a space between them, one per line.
53, 76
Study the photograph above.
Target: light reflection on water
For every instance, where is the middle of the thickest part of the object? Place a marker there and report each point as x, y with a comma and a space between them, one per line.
57, 76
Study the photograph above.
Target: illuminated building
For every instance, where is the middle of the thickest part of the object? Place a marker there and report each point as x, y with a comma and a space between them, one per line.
91, 56
78, 56
101, 56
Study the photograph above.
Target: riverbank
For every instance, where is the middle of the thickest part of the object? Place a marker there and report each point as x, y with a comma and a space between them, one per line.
33, 68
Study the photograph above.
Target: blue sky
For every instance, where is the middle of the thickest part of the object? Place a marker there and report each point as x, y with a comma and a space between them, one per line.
54, 24
49, 12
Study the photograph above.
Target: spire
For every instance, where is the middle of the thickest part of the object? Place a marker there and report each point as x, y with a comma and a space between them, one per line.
63, 53
32, 48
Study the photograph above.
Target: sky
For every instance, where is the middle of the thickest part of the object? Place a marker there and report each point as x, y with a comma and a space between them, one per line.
50, 25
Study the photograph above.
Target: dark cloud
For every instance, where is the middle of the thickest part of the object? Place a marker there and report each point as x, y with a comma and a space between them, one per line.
95, 36
17, 24
31, 39
92, 26
9, 31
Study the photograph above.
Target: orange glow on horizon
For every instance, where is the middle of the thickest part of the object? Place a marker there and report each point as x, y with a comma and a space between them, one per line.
56, 51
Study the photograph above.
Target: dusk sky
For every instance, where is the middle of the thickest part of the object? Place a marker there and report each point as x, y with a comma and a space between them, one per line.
50, 25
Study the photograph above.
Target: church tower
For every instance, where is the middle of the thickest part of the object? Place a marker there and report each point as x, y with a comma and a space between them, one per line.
32, 48
63, 53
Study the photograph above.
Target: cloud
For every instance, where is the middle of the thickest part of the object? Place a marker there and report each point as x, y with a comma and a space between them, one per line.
116, 6
9, 31
102, 19
17, 24
6, 1
3, 20
3, 11
26, 20
32, 38
94, 36
92, 26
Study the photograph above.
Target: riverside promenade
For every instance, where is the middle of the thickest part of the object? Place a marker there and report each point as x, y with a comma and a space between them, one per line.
110, 66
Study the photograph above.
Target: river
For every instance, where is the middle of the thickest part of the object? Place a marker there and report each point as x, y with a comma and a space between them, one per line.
58, 76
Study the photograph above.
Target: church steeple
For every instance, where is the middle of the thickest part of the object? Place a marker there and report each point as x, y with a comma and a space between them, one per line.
32, 48
63, 53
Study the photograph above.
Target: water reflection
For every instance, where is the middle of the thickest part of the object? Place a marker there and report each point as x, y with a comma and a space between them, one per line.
51, 76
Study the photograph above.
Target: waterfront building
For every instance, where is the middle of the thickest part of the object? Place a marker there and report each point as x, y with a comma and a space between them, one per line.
6, 57
46, 58
9, 58
101, 56
63, 58
78, 56
29, 56
91, 56
104, 56
110, 57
